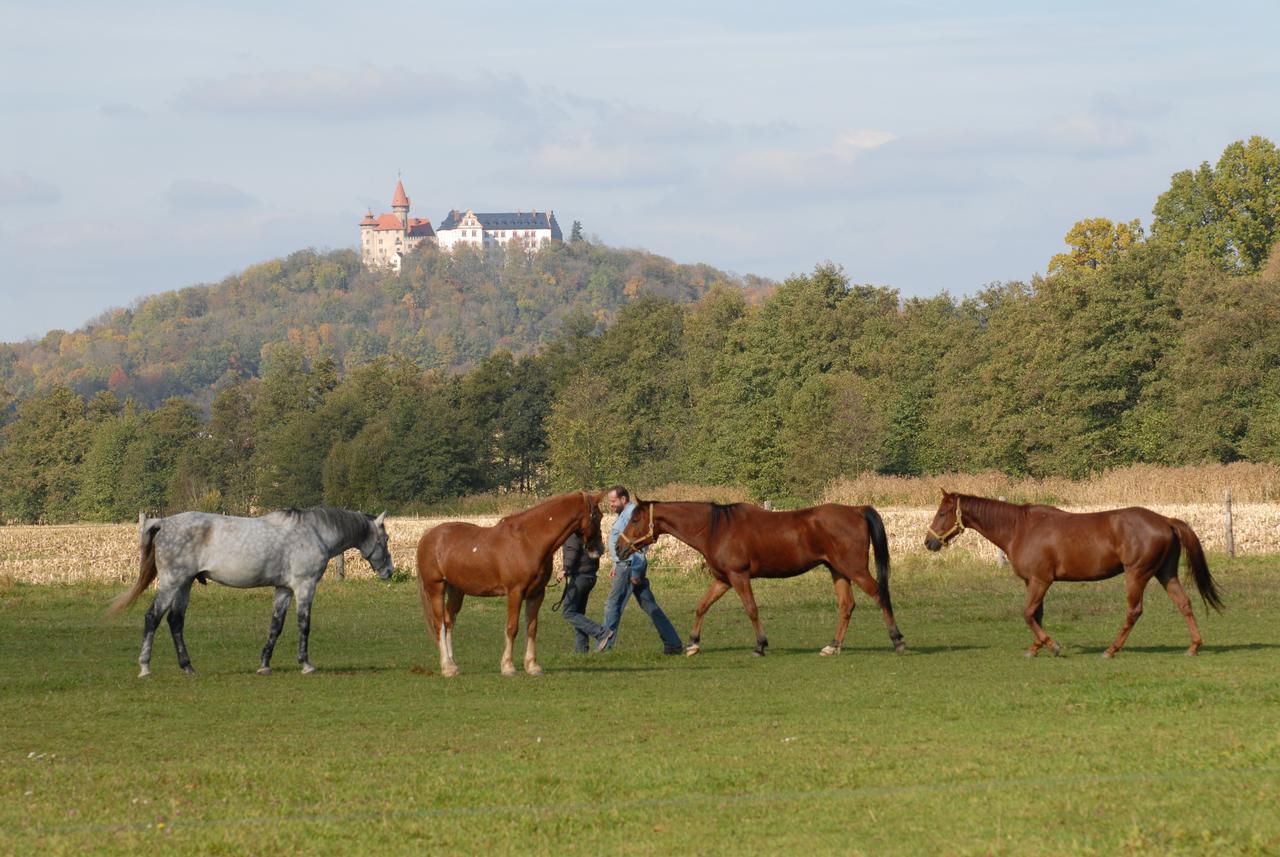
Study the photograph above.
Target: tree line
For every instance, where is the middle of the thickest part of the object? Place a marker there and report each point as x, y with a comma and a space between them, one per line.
1161, 348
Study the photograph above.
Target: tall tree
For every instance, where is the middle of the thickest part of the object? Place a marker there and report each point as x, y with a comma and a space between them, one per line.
1228, 213
1094, 243
41, 451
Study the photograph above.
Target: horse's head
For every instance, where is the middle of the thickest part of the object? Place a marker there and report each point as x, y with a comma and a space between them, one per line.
638, 534
947, 524
374, 547
589, 524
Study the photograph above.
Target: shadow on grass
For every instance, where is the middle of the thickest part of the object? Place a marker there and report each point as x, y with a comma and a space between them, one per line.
858, 651
1206, 649
602, 668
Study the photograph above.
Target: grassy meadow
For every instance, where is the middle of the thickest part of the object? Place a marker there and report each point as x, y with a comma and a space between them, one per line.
960, 746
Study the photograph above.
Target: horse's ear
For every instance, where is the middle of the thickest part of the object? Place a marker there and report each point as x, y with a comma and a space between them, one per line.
381, 517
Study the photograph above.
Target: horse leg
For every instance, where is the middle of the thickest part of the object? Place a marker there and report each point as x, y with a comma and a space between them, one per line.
1179, 597
1135, 584
531, 608
742, 585
284, 596
868, 584
453, 604
177, 618
1033, 613
513, 624
844, 606
165, 593
717, 588
304, 593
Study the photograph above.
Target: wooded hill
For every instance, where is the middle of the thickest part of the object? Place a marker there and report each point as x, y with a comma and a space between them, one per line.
1136, 346
444, 311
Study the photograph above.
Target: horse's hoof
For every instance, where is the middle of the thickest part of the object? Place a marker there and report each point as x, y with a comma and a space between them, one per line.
534, 670
144, 672
692, 650
1108, 655
1193, 651
899, 648
264, 670
510, 672
189, 670
827, 651
757, 653
307, 669
1030, 653
1057, 650
449, 671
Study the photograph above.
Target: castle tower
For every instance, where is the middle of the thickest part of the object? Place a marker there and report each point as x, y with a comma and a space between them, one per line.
400, 204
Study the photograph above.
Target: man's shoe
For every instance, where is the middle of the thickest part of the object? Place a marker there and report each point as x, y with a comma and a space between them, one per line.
603, 640
673, 650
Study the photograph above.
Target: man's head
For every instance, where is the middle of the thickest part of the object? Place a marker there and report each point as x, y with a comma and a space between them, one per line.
618, 498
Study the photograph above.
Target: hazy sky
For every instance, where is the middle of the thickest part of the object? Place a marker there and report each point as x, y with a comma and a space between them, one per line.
927, 146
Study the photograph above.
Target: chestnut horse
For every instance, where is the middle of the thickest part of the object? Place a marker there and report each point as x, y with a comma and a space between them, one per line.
742, 541
1045, 544
511, 558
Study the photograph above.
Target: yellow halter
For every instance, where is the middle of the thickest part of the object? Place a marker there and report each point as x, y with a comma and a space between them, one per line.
956, 529
645, 540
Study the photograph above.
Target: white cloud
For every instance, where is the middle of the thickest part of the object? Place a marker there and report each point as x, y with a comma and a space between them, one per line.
1091, 136
585, 163
21, 189
198, 195
359, 93
122, 110
804, 170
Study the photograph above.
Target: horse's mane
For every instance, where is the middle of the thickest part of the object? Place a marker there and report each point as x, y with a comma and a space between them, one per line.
721, 513
517, 515
351, 526
994, 512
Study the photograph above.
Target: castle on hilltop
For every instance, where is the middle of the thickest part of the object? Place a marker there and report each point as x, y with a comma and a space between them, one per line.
385, 239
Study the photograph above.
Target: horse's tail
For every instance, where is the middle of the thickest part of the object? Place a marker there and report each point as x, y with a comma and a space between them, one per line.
880, 546
147, 571
1195, 559
423, 552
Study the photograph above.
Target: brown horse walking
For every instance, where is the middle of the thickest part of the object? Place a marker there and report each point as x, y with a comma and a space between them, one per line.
1045, 544
742, 541
511, 558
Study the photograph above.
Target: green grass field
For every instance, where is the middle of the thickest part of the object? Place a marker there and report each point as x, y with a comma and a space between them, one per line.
961, 746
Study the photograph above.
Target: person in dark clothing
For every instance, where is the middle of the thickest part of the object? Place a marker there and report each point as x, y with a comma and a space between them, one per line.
579, 579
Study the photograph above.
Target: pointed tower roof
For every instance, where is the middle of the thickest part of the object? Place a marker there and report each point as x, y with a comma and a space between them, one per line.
369, 219
400, 197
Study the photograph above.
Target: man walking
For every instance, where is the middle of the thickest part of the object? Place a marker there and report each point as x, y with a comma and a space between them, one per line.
629, 578
579, 579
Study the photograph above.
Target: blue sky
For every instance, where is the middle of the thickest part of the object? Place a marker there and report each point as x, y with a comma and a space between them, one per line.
926, 146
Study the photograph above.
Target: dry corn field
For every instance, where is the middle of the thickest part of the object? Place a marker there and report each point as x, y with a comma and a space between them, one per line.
109, 552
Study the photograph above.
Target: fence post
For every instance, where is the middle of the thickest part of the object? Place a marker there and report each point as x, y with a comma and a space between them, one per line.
1001, 559
1226, 520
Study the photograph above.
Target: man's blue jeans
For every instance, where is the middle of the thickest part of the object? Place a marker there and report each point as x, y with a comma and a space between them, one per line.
577, 591
622, 589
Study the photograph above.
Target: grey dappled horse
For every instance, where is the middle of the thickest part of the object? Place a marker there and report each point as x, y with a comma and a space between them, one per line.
288, 550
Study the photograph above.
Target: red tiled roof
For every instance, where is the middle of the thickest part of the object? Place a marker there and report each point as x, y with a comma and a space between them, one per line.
369, 219
388, 221
400, 198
